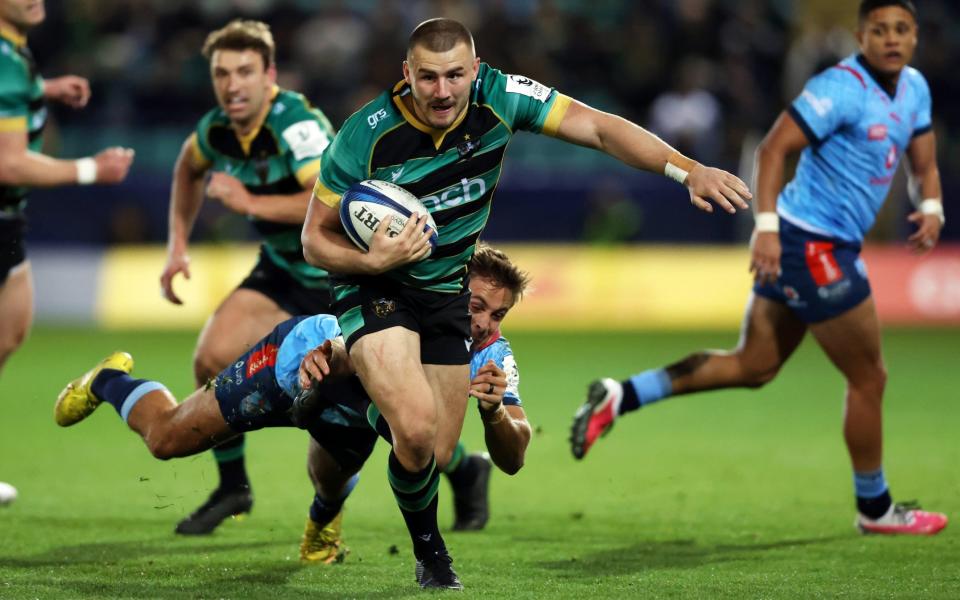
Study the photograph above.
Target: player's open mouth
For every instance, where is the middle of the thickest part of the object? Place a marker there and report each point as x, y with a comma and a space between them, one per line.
234, 104
893, 56
442, 110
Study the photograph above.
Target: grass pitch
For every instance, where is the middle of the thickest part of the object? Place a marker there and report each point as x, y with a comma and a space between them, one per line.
724, 495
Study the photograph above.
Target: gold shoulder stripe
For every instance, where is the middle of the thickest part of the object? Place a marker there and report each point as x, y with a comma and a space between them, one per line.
325, 195
13, 125
200, 162
307, 174
559, 110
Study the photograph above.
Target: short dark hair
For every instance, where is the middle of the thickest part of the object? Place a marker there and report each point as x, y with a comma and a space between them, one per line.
239, 35
440, 35
866, 6
495, 265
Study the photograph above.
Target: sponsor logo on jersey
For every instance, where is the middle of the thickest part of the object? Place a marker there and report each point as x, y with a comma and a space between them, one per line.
306, 139
877, 132
264, 357
518, 84
376, 117
465, 191
821, 106
395, 175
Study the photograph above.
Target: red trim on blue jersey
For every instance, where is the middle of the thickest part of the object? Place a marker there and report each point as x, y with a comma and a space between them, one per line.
855, 74
493, 338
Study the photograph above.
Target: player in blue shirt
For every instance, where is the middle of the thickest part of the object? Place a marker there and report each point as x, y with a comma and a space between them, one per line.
851, 124
262, 388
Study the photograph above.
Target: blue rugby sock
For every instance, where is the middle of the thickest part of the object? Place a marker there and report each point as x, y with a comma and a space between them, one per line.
121, 391
873, 494
323, 511
645, 388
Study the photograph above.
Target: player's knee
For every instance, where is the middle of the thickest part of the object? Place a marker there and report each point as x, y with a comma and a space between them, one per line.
207, 363
756, 376
11, 340
872, 381
415, 443
164, 444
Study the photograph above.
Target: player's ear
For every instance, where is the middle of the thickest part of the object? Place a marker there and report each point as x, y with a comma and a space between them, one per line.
476, 68
272, 74
406, 73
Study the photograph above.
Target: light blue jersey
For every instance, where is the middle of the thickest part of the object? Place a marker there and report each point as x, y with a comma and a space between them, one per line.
501, 354
304, 337
857, 133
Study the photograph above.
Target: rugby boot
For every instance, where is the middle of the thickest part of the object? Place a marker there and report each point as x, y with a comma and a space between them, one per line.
322, 544
471, 505
221, 504
76, 402
596, 416
903, 518
435, 572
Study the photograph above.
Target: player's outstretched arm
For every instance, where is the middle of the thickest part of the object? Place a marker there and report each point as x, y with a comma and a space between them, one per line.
186, 197
278, 208
505, 428
326, 246
71, 90
928, 217
21, 167
637, 147
784, 139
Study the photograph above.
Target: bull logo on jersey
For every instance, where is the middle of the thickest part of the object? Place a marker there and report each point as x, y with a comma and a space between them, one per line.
383, 307
892, 157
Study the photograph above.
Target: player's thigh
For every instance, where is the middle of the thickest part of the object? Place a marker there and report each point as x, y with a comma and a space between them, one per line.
242, 319
451, 386
769, 334
852, 342
16, 306
388, 364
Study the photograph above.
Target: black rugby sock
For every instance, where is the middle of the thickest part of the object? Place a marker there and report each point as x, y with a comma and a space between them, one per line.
230, 464
416, 495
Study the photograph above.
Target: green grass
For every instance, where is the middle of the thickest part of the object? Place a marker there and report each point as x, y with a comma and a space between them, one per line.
724, 495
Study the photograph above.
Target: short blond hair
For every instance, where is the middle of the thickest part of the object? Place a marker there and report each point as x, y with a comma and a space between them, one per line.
241, 34
496, 266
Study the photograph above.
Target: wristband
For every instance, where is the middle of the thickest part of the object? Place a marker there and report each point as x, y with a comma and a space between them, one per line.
492, 417
678, 167
86, 171
766, 222
933, 206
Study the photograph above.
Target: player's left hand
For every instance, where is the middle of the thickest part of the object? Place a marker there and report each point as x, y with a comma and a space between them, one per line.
489, 386
925, 238
71, 90
709, 184
230, 192
315, 366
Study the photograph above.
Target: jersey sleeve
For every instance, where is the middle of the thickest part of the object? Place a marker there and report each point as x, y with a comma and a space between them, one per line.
306, 133
344, 162
304, 337
521, 102
502, 355
829, 101
923, 122
14, 96
201, 151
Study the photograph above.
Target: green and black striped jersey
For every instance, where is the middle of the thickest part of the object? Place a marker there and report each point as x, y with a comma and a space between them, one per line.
22, 107
454, 172
280, 157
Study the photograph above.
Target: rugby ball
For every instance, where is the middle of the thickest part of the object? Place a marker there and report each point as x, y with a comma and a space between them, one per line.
8, 493
368, 203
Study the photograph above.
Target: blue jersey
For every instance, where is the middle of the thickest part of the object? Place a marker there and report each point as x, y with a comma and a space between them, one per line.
501, 354
857, 133
304, 337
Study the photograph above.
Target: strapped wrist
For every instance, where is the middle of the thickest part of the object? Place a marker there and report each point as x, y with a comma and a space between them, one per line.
678, 167
933, 206
492, 417
766, 222
86, 170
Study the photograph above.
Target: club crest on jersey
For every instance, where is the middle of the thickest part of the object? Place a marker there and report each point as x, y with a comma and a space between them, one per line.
467, 147
877, 133
383, 307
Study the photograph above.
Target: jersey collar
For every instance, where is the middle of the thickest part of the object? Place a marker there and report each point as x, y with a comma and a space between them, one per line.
247, 140
9, 34
493, 338
402, 89
878, 78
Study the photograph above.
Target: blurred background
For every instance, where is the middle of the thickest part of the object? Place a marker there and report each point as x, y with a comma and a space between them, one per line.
709, 76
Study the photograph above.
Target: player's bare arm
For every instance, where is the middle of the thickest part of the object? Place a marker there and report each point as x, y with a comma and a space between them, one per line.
186, 197
71, 90
505, 428
784, 139
928, 218
22, 167
326, 246
637, 147
279, 208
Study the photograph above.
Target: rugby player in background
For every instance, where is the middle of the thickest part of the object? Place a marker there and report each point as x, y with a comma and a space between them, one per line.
850, 126
23, 114
258, 154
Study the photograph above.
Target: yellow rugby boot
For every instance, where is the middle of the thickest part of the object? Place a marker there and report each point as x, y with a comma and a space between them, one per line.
76, 401
322, 544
